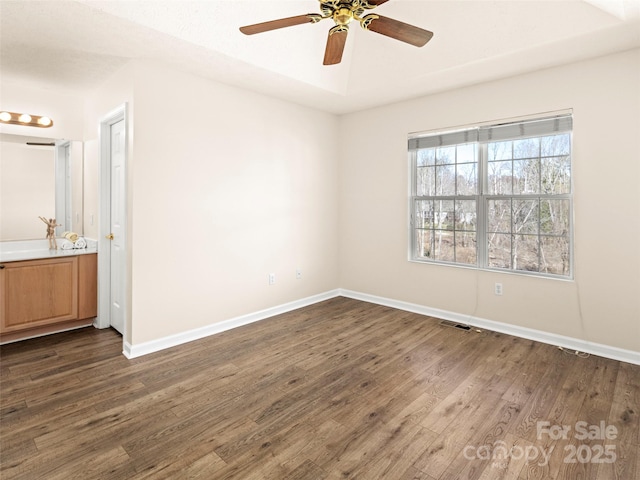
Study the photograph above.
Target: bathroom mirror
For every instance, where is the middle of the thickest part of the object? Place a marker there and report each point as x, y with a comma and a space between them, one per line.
39, 177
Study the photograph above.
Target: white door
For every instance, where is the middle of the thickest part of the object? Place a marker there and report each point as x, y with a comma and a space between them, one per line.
118, 258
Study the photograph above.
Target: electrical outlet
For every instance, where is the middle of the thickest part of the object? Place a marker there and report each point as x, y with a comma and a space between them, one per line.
498, 289
298, 274
272, 278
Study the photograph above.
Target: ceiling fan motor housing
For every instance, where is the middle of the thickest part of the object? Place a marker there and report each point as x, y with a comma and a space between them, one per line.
343, 16
342, 12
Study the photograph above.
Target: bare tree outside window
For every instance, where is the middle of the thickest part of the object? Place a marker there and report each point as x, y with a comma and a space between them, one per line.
446, 222
515, 190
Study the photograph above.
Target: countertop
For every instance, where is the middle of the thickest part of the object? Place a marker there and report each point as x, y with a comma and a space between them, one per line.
16, 251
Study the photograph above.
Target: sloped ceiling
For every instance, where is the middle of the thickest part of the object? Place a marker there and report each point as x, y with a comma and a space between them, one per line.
72, 46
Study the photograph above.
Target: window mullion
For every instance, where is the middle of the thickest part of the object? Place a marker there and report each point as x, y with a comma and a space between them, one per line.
481, 207
413, 190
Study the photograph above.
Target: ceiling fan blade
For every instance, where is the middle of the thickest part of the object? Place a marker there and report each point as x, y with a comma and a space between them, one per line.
335, 44
396, 29
374, 3
280, 23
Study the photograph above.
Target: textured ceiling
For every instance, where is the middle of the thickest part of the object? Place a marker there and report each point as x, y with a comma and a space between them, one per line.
72, 46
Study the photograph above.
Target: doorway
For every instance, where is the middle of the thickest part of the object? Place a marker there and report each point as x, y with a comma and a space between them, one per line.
112, 252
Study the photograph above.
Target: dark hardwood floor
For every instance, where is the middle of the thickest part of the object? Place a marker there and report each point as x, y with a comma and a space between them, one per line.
341, 389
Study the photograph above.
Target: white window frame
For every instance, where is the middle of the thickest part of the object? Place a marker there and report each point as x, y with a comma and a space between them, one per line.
468, 134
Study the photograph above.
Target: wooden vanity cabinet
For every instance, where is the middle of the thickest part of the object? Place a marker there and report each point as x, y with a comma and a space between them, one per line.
47, 295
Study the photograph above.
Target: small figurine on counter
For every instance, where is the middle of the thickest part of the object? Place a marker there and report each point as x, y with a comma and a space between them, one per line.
51, 232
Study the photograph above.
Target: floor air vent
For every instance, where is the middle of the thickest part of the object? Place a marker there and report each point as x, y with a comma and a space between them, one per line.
459, 326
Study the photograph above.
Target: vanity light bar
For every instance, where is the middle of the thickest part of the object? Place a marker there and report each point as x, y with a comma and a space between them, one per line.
25, 119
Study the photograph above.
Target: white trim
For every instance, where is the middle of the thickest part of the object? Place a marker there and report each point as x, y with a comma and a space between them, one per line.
63, 187
133, 351
104, 226
607, 351
629, 356
38, 335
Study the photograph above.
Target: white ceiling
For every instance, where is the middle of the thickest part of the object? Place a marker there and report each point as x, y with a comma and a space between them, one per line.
73, 45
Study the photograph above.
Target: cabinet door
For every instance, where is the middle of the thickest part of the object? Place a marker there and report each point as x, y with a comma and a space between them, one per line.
87, 286
38, 292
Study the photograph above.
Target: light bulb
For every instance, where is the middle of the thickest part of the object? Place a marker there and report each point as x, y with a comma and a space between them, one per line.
5, 116
44, 121
25, 118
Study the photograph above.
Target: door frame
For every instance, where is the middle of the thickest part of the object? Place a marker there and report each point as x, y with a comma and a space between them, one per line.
104, 247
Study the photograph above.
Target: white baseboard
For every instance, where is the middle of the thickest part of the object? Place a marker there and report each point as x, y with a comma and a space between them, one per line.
629, 356
133, 351
606, 351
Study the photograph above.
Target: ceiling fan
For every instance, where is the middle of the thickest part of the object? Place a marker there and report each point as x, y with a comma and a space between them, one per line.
343, 12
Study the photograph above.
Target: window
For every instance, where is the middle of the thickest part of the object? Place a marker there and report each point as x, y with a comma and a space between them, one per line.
495, 197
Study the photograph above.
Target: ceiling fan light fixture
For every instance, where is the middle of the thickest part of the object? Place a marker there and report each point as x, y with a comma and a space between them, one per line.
25, 119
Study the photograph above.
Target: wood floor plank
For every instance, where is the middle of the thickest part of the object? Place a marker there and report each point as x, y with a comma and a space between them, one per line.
316, 446
307, 471
291, 408
339, 389
491, 432
625, 417
448, 446
110, 464
404, 446
510, 462
353, 449
455, 361
595, 408
195, 462
265, 461
538, 405
159, 451
529, 375
564, 412
447, 409
414, 474
14, 450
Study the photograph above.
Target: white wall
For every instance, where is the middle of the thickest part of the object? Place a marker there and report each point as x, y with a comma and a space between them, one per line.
602, 305
226, 186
